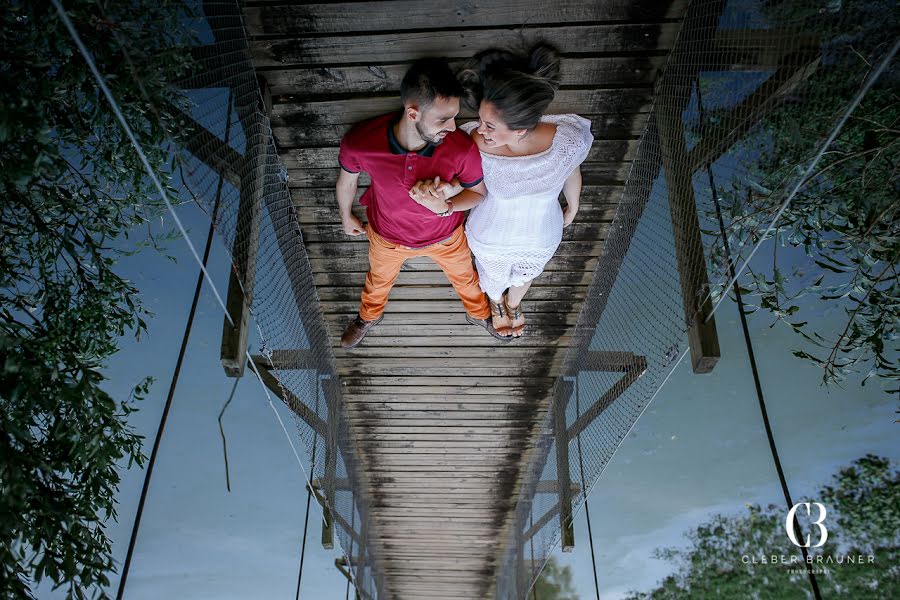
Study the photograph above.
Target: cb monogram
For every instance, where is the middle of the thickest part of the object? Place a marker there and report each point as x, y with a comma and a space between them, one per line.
822, 530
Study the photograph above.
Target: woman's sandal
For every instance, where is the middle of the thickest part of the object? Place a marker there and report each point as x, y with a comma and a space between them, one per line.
516, 318
499, 318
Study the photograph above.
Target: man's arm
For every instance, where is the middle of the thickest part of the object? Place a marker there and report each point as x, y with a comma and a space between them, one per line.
345, 191
439, 196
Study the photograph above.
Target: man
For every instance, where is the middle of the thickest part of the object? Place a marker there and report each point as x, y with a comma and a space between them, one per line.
397, 150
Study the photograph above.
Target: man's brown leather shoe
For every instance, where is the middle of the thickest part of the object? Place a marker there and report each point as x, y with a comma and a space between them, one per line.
357, 330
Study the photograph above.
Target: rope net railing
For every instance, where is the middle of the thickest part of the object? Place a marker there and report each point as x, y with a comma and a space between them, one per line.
751, 95
227, 152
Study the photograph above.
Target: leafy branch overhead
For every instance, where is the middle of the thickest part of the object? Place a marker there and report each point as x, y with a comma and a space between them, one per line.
74, 193
845, 216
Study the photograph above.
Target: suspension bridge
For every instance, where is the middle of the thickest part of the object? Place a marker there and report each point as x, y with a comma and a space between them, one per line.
448, 465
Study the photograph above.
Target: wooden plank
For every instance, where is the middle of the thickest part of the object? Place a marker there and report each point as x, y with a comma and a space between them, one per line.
593, 195
307, 166
289, 111
508, 353
598, 207
297, 159
468, 410
601, 71
420, 278
603, 126
445, 292
475, 399
546, 338
439, 367
593, 173
447, 312
290, 19
395, 47
458, 384
356, 250
557, 263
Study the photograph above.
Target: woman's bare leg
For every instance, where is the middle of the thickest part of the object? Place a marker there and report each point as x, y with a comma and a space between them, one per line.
513, 300
499, 318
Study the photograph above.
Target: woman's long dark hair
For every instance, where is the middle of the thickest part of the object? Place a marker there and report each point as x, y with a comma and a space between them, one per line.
520, 85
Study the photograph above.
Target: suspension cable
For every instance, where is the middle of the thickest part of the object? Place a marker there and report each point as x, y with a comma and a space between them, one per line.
352, 525
814, 584
174, 382
534, 595
587, 509
309, 491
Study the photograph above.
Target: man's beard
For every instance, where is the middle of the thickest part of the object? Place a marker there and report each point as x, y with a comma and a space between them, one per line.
427, 138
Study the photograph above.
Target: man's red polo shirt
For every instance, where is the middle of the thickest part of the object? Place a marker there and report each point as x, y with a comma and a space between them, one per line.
372, 147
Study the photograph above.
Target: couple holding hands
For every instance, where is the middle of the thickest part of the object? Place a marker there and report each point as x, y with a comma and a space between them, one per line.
506, 170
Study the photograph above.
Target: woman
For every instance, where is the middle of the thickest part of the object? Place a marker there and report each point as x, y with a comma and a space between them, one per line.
528, 158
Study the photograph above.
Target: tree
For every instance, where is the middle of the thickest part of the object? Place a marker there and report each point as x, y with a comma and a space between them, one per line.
554, 583
845, 216
862, 519
73, 192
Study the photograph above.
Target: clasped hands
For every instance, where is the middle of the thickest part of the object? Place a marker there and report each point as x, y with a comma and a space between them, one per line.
433, 194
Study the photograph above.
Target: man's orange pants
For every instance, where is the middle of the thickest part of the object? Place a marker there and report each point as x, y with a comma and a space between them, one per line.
451, 255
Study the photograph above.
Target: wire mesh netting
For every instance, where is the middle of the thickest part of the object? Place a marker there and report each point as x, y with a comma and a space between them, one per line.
231, 161
750, 97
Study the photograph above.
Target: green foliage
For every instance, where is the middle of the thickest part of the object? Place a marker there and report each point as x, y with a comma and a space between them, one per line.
845, 216
554, 583
73, 190
863, 518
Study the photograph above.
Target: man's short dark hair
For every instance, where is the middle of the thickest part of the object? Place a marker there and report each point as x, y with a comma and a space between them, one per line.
427, 79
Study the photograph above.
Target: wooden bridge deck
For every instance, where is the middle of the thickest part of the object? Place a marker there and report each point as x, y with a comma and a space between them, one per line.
443, 416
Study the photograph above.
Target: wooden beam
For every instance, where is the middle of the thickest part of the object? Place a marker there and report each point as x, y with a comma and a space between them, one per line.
567, 542
327, 518
689, 252
633, 370
294, 403
755, 49
239, 298
331, 443
675, 85
715, 140
210, 149
344, 567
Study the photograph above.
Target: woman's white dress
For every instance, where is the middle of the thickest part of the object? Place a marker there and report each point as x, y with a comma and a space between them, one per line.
518, 226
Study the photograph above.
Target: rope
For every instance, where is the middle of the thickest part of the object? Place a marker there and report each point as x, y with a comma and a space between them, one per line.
222, 431
587, 510
814, 584
352, 525
534, 595
169, 397
308, 498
